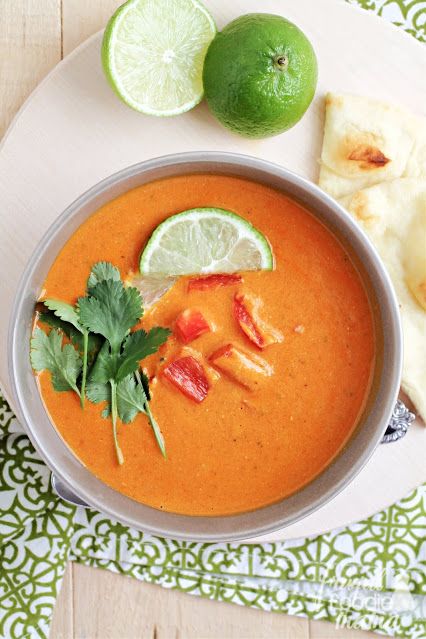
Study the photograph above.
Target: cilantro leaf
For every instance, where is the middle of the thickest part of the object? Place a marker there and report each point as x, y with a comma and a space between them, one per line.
64, 363
131, 399
52, 320
137, 346
102, 271
65, 312
111, 310
98, 392
105, 367
98, 386
94, 343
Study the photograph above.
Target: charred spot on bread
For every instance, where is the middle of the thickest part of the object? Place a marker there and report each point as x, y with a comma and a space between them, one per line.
368, 156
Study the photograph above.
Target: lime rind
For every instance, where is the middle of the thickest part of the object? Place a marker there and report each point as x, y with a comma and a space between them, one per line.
191, 76
205, 240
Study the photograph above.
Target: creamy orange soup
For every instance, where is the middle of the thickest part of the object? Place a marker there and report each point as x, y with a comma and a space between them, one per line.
239, 449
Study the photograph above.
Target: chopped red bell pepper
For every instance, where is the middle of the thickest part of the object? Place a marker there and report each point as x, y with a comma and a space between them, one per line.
247, 369
211, 373
214, 281
246, 321
245, 309
189, 377
189, 325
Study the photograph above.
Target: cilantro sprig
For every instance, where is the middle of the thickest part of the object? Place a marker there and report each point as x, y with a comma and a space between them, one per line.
102, 362
133, 397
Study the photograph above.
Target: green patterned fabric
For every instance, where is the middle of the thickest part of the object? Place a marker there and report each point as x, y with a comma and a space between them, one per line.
410, 15
370, 575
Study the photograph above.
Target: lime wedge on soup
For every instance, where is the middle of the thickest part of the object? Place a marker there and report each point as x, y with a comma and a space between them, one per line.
153, 54
151, 287
205, 240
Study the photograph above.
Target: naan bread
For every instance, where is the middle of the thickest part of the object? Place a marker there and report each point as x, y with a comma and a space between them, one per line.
393, 214
415, 257
367, 142
374, 162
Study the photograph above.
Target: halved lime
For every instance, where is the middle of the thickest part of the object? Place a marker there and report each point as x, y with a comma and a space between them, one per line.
205, 240
153, 54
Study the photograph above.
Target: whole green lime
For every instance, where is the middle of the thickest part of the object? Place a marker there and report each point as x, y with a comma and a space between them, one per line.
260, 75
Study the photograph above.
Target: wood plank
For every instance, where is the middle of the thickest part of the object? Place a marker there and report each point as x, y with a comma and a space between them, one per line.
30, 45
108, 606
80, 19
62, 623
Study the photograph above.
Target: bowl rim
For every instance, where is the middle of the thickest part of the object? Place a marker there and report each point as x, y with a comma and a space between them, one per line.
184, 528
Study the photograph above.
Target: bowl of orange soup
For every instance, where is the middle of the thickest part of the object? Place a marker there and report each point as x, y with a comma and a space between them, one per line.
283, 418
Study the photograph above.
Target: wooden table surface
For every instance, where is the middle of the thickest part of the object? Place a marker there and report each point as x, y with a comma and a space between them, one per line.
34, 36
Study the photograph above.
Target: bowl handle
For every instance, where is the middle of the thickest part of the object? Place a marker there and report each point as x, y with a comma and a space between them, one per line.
399, 423
65, 493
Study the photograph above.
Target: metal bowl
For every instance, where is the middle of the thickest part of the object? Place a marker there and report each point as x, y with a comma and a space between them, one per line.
80, 481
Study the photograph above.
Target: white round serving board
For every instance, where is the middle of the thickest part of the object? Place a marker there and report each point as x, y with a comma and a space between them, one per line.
73, 131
